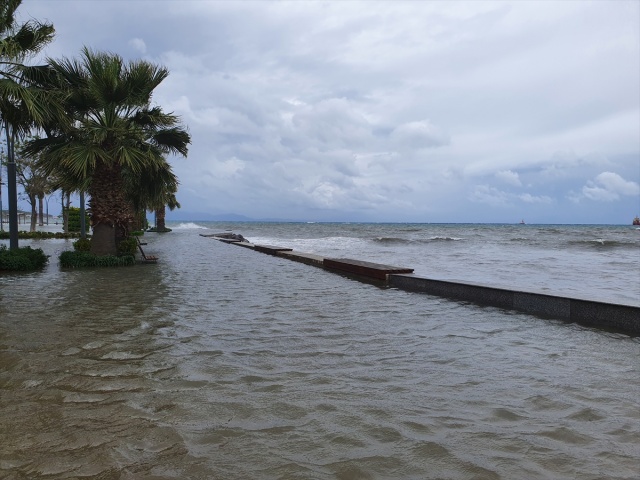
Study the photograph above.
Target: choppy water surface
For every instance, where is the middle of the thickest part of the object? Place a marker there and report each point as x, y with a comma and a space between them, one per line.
223, 363
590, 261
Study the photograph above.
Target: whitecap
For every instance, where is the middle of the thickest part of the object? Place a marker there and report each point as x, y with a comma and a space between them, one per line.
188, 226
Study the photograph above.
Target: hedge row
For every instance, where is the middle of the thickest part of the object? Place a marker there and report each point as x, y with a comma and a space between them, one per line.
78, 259
22, 259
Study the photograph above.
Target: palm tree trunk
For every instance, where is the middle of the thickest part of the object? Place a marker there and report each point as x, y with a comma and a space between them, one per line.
138, 220
111, 213
161, 214
83, 217
41, 208
12, 188
66, 202
34, 213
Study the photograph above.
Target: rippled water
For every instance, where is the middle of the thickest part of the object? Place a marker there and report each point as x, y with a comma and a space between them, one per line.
598, 262
223, 363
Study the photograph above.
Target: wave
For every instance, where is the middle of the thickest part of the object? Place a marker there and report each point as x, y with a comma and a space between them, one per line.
445, 239
188, 226
602, 243
404, 241
391, 240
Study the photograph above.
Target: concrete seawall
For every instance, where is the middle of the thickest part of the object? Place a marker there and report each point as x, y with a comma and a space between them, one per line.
609, 316
623, 318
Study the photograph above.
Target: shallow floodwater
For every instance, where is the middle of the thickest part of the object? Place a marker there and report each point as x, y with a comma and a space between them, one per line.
223, 363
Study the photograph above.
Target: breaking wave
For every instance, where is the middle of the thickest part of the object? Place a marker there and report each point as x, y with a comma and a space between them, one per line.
406, 241
601, 243
188, 226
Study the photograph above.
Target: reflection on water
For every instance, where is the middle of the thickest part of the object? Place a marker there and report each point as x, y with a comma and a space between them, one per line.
220, 362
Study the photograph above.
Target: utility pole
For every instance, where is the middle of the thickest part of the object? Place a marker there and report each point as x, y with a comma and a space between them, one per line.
83, 226
1, 211
12, 188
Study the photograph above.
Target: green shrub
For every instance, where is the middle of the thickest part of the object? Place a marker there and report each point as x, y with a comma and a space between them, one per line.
128, 246
111, 261
82, 245
75, 259
79, 259
73, 223
22, 259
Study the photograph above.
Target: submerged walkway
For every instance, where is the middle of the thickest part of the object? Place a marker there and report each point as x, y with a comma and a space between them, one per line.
609, 316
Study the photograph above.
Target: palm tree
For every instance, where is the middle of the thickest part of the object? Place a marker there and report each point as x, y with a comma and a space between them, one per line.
115, 134
161, 214
155, 190
160, 194
17, 42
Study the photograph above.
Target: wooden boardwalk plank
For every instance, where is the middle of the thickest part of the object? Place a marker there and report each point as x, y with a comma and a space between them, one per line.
362, 268
271, 250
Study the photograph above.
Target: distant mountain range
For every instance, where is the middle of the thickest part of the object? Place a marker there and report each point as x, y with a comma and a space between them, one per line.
180, 216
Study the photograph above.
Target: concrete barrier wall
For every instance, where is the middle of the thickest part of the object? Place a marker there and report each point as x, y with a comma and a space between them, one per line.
624, 318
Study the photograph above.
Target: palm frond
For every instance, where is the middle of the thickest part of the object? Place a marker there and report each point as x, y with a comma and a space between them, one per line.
172, 140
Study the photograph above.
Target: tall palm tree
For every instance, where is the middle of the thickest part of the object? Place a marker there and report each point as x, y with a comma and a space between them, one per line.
115, 134
17, 42
161, 213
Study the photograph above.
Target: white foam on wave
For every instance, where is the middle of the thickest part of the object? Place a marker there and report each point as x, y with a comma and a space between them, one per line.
187, 226
322, 245
447, 239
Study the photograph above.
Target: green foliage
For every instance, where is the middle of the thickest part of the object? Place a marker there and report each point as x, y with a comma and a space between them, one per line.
77, 259
111, 261
74, 220
128, 246
137, 233
22, 259
82, 245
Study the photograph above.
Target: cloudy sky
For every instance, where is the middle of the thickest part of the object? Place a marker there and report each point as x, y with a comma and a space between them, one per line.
426, 111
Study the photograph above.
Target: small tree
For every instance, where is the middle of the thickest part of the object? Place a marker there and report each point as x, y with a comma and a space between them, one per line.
35, 183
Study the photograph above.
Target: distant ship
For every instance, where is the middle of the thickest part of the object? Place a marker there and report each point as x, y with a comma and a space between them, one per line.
636, 221
522, 222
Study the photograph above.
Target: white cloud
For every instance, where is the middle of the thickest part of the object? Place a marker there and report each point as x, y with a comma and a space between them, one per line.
615, 183
228, 168
608, 187
599, 194
496, 197
489, 195
528, 198
422, 134
332, 123
138, 45
509, 177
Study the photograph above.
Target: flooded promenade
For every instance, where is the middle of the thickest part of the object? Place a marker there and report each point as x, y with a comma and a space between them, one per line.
211, 365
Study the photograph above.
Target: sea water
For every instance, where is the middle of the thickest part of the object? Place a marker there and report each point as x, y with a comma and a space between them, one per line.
586, 261
222, 362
